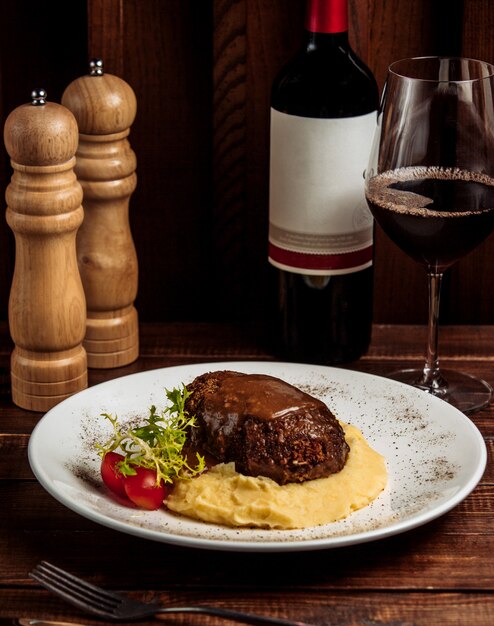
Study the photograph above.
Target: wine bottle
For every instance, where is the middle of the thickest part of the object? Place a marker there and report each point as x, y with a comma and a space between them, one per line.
323, 117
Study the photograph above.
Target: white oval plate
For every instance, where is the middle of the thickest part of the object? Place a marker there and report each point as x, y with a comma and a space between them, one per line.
435, 456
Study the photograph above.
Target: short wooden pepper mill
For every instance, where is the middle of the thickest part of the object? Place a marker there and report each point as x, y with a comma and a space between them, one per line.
105, 107
47, 307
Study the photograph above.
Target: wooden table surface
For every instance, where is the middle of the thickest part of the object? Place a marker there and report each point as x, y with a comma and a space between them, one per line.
439, 574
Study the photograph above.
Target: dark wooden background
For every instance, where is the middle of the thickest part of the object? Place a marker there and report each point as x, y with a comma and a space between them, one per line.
202, 71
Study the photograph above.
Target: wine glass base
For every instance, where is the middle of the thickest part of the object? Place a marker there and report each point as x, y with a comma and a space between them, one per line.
464, 391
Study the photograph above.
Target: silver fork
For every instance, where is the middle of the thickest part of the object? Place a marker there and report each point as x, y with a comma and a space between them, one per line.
114, 606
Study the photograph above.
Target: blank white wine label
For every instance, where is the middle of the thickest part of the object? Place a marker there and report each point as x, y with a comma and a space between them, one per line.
319, 221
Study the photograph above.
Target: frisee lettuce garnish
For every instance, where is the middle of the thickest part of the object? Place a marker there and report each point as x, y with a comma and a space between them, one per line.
158, 444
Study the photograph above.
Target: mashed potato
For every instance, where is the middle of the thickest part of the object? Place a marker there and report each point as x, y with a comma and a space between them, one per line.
223, 496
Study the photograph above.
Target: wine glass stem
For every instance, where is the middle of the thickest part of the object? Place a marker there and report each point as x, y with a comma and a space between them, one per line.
431, 376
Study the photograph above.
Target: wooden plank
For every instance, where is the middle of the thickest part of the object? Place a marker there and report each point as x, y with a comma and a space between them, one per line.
470, 291
106, 36
177, 131
469, 348
478, 23
14, 463
251, 41
389, 342
203, 257
161, 50
180, 340
398, 29
359, 30
461, 543
229, 152
338, 609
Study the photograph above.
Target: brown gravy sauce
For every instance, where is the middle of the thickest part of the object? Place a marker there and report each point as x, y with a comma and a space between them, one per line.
259, 395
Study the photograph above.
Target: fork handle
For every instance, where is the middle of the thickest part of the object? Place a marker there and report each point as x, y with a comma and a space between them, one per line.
236, 616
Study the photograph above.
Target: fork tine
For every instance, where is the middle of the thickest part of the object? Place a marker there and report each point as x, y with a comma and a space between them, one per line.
62, 580
79, 592
79, 582
71, 598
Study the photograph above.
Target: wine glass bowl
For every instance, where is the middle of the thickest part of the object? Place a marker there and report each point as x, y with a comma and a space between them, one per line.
430, 185
434, 215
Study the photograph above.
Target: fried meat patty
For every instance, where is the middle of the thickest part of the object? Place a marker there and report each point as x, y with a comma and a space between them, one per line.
266, 426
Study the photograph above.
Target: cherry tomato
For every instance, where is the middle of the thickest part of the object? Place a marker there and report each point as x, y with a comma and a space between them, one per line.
111, 475
142, 489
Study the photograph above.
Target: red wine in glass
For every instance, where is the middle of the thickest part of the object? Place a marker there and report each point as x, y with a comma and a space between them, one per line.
435, 215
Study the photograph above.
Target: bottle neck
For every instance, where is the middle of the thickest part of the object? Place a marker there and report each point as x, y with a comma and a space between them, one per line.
326, 16
326, 25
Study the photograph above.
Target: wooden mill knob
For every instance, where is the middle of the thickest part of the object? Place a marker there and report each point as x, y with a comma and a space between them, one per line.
105, 107
47, 308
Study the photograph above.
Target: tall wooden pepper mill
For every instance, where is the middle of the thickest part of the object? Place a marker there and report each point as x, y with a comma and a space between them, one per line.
47, 307
105, 107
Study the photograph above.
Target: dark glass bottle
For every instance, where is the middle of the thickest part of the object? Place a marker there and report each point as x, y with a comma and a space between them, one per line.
321, 232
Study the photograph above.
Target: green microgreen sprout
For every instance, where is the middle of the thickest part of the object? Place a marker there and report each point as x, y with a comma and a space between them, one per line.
159, 443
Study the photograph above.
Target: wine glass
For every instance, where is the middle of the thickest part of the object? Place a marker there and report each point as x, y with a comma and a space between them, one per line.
430, 186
